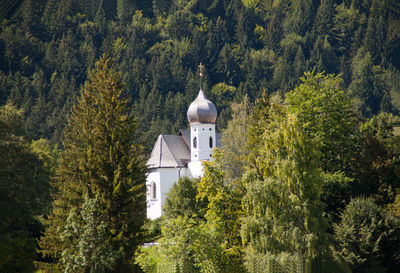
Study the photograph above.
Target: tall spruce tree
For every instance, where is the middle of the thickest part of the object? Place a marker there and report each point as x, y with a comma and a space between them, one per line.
101, 159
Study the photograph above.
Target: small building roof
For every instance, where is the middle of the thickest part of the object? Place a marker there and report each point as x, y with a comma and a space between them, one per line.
169, 152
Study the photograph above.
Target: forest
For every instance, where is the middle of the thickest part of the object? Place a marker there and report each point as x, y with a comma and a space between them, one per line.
307, 178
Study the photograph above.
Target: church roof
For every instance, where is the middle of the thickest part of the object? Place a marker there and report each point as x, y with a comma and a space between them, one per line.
202, 110
169, 151
172, 151
186, 136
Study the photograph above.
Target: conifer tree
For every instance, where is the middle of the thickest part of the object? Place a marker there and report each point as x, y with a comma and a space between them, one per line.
100, 159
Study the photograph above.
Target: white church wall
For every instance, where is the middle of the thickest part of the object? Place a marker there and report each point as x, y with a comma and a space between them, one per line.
196, 169
153, 205
164, 179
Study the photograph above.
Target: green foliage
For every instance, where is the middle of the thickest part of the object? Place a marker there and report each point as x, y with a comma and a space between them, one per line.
381, 127
221, 94
179, 232
174, 253
368, 237
181, 200
282, 207
90, 231
47, 47
234, 141
336, 193
200, 226
101, 158
325, 110
24, 194
257, 121
270, 263
222, 253
12, 120
395, 207
369, 85
162, 7
47, 153
377, 161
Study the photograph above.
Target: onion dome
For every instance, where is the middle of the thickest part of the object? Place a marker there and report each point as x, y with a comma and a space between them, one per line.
201, 110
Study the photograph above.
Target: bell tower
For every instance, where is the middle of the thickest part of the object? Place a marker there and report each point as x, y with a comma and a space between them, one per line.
202, 115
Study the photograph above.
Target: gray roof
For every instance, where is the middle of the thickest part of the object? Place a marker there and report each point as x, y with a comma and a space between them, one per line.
202, 110
173, 151
169, 151
186, 136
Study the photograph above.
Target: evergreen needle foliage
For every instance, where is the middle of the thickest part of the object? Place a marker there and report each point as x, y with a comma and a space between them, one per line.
102, 161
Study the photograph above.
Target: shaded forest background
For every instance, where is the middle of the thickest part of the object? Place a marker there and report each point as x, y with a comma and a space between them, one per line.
48, 46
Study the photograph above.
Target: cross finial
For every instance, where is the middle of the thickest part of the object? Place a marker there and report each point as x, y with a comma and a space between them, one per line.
201, 67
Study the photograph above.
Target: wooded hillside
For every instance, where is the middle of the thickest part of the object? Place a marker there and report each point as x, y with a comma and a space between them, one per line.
48, 46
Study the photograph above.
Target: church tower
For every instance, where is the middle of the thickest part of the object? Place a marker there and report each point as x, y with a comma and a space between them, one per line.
202, 115
176, 156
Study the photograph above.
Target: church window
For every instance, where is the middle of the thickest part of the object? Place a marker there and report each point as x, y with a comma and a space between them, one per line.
210, 129
211, 142
195, 142
153, 190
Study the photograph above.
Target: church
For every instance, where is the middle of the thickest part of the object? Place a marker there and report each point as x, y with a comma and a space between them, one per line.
176, 156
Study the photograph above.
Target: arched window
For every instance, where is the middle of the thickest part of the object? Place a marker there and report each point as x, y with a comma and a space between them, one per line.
195, 142
153, 190
211, 142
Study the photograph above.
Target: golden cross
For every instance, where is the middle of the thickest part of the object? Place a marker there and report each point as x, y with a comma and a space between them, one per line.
201, 66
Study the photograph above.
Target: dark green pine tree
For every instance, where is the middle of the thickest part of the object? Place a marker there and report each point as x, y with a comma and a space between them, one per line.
101, 159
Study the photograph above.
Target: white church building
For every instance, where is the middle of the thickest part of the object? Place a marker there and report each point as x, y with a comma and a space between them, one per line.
175, 156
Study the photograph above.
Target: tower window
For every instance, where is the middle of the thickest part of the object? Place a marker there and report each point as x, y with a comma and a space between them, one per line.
211, 142
195, 142
153, 190
210, 129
